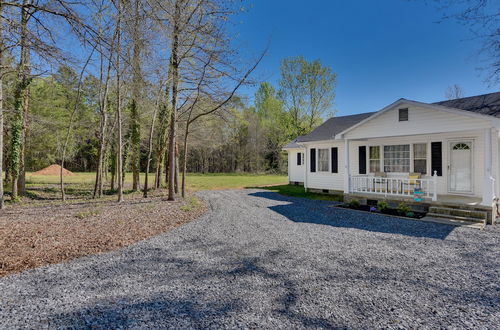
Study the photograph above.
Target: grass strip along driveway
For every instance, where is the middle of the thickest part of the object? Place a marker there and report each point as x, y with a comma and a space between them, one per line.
258, 259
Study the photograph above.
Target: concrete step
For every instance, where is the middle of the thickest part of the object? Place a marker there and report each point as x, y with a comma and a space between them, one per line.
476, 225
453, 212
455, 217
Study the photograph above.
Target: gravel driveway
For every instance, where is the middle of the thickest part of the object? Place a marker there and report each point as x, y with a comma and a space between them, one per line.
261, 260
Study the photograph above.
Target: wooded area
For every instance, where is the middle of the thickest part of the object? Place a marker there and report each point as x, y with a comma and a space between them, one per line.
143, 86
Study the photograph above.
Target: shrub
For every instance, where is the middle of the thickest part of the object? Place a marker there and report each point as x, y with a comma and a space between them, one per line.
382, 206
354, 204
403, 208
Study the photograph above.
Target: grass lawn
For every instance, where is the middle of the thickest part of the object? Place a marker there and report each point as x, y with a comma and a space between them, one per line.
299, 191
194, 181
80, 185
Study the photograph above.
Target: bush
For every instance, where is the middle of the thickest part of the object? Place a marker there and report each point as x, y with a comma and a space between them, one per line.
382, 206
404, 209
354, 204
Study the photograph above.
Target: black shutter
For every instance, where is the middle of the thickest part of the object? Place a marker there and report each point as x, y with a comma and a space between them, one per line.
299, 158
362, 160
437, 158
313, 160
335, 160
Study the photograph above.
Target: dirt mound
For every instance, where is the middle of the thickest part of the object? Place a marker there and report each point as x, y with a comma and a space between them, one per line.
53, 170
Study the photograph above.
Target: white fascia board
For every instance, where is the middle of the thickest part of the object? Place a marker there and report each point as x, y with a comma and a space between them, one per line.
495, 122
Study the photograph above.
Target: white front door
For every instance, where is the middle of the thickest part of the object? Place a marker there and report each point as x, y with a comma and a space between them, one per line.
460, 166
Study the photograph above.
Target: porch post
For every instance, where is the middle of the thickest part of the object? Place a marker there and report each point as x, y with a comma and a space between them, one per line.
347, 174
488, 151
306, 153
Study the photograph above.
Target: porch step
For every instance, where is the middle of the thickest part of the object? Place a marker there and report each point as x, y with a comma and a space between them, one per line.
454, 222
459, 213
462, 217
454, 217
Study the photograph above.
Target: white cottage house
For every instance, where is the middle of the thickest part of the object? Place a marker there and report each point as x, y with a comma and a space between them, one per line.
444, 153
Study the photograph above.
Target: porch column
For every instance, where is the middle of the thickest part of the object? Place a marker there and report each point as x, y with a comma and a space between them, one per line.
487, 184
347, 174
306, 154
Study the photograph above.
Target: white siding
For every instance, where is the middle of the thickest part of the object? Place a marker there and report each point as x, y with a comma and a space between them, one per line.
334, 181
295, 172
421, 121
326, 180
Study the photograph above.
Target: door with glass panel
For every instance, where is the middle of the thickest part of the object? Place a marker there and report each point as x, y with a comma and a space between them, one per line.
460, 163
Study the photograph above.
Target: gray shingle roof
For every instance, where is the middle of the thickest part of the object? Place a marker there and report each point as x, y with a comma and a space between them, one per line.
487, 104
333, 126
293, 144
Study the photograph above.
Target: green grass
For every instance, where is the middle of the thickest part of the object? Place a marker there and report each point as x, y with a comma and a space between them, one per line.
299, 191
194, 182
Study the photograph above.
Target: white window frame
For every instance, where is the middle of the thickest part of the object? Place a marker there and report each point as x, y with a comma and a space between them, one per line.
410, 158
318, 169
380, 157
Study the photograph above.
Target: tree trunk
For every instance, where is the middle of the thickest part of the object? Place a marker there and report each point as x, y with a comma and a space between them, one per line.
174, 66
119, 160
18, 121
184, 161
1, 107
70, 126
135, 138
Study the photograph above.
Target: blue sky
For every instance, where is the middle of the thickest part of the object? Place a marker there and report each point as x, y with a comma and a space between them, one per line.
381, 50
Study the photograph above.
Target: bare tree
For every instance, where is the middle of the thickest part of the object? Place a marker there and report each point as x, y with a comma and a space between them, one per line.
70, 125
483, 19
119, 142
454, 92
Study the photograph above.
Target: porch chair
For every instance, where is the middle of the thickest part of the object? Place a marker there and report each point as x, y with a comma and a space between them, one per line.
413, 181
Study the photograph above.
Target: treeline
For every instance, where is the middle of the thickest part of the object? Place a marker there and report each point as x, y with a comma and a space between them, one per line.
142, 86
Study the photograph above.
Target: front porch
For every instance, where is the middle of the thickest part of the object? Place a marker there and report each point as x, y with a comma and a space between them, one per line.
470, 204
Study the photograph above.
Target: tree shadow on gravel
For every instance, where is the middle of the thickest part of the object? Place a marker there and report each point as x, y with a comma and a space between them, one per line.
187, 293
325, 213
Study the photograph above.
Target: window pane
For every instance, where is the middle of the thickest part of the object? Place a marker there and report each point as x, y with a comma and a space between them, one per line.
374, 166
420, 150
375, 152
420, 166
323, 164
397, 158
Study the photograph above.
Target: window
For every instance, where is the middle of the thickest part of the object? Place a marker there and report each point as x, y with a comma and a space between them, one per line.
403, 114
374, 159
420, 158
299, 158
323, 165
397, 158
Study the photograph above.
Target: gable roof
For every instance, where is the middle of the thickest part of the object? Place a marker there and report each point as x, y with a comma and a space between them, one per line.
480, 106
333, 126
486, 104
293, 144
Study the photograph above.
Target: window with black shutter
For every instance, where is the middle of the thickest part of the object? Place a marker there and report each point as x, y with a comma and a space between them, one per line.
299, 158
362, 160
335, 160
437, 158
313, 160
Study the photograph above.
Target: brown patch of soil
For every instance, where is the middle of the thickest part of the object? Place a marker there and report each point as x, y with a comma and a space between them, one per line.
35, 236
53, 170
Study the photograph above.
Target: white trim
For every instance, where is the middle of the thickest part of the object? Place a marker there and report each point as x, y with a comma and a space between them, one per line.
493, 120
473, 150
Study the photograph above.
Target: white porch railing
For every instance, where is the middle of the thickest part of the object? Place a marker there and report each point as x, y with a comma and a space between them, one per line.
394, 186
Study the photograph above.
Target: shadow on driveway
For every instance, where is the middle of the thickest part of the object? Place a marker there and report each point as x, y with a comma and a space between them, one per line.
325, 213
